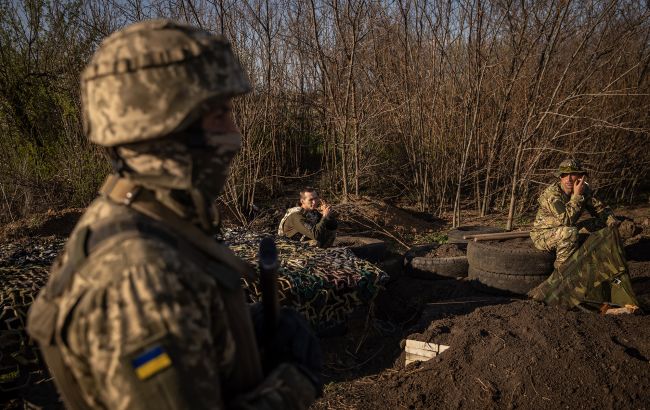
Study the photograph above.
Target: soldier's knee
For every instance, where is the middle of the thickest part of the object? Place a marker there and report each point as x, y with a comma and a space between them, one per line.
569, 234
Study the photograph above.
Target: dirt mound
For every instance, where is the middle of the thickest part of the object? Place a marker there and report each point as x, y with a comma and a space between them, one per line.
50, 223
521, 355
358, 216
368, 214
447, 250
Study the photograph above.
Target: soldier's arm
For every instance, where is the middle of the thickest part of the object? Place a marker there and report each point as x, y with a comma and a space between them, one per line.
567, 213
319, 232
146, 340
597, 208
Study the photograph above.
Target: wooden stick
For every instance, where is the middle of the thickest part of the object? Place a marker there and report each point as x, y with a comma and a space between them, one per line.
496, 236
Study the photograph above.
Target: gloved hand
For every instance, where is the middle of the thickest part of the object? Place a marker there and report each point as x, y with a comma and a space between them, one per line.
293, 342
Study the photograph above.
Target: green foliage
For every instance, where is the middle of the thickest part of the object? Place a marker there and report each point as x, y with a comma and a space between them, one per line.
47, 162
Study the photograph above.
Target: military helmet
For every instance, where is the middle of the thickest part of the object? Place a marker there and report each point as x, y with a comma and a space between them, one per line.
570, 166
154, 78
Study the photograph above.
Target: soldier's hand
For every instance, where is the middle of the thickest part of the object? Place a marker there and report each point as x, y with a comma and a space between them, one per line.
579, 186
293, 342
325, 209
612, 221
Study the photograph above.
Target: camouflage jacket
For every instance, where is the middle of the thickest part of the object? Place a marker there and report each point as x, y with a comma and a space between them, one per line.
311, 225
144, 324
557, 209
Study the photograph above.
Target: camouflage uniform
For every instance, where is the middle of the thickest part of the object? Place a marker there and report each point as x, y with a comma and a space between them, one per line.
309, 225
556, 225
144, 309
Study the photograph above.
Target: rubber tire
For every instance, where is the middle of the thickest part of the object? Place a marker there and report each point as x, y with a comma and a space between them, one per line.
456, 235
392, 265
498, 257
452, 267
434, 268
370, 249
492, 282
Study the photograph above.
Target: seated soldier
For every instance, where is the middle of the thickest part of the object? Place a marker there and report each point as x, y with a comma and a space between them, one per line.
312, 221
556, 225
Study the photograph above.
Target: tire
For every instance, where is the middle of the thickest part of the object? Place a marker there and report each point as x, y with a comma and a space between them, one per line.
393, 266
434, 268
492, 282
453, 267
499, 257
456, 235
370, 249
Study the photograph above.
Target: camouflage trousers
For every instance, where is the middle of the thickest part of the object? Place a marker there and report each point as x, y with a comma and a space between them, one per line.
596, 273
564, 240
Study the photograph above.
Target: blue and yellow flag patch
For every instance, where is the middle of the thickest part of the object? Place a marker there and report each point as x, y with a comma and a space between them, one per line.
151, 362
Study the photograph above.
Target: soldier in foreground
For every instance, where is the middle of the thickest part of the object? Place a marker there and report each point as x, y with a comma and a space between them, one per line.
312, 221
145, 308
561, 204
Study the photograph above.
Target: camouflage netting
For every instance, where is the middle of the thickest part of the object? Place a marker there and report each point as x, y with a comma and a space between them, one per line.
23, 271
325, 285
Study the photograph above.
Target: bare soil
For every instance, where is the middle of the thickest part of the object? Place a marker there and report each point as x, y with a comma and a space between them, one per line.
447, 250
516, 355
50, 223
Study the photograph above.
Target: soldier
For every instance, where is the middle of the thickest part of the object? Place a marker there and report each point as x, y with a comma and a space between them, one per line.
145, 308
561, 204
312, 221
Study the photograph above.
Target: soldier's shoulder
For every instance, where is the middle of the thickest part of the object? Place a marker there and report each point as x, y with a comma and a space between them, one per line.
552, 190
296, 214
102, 209
122, 250
146, 260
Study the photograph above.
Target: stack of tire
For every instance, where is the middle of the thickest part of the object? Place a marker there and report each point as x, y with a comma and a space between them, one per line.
499, 266
419, 265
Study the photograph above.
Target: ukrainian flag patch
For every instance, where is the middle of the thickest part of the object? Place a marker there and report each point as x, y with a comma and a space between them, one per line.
151, 362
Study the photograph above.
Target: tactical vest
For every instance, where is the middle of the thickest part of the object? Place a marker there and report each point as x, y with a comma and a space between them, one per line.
152, 220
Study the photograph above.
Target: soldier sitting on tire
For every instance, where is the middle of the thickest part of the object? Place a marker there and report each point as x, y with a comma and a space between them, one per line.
591, 275
556, 225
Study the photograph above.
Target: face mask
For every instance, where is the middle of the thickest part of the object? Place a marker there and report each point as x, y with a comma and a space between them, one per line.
157, 164
192, 159
212, 155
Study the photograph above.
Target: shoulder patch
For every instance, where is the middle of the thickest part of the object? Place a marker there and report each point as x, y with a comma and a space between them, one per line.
150, 362
558, 207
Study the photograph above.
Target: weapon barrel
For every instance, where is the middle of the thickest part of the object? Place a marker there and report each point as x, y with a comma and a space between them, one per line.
269, 264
